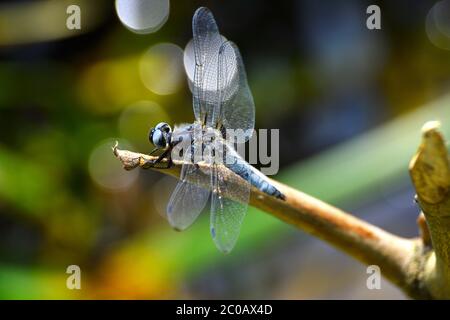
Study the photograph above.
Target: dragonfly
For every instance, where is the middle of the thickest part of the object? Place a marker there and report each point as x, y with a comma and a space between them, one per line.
222, 102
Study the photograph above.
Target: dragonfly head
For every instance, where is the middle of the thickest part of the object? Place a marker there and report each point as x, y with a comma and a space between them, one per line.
159, 136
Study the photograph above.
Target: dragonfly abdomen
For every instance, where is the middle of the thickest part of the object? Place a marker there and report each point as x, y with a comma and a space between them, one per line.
254, 177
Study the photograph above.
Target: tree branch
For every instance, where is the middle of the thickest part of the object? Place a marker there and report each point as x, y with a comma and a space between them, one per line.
402, 261
430, 173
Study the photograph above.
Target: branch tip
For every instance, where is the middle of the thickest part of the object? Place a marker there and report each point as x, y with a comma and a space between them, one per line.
114, 148
429, 168
430, 174
431, 126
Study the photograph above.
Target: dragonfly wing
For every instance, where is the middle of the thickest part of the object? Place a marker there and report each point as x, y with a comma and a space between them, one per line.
207, 42
235, 107
227, 214
189, 197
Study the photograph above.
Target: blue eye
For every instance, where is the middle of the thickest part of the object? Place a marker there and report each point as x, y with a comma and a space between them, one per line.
158, 139
150, 135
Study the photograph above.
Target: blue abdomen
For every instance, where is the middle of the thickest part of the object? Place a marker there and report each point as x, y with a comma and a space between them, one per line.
249, 173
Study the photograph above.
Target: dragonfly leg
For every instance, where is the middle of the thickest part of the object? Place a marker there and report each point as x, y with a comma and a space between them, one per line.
169, 155
166, 153
154, 162
153, 151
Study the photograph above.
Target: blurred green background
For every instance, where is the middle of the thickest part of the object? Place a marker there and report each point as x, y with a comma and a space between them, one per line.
349, 103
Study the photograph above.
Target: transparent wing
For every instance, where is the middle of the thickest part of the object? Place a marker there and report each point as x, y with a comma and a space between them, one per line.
221, 95
189, 197
227, 214
235, 107
207, 42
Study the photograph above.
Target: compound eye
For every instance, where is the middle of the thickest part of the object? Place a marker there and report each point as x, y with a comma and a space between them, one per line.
163, 127
158, 139
167, 128
160, 125
150, 135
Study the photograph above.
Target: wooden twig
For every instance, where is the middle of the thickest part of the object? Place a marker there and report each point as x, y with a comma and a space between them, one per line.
430, 173
402, 261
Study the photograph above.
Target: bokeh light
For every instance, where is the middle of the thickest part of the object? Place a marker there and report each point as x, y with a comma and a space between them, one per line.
437, 24
442, 16
136, 121
161, 68
143, 16
106, 171
108, 86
